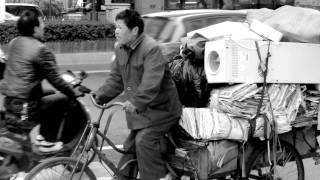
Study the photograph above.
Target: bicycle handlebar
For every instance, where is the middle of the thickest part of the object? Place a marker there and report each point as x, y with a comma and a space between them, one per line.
104, 106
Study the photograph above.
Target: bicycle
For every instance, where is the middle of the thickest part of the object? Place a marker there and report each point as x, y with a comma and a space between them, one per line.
259, 161
78, 167
26, 155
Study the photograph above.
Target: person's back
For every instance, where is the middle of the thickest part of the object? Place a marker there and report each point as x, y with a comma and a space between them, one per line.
21, 77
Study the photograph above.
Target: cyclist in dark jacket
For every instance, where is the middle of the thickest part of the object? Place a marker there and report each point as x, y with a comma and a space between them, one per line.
152, 104
26, 104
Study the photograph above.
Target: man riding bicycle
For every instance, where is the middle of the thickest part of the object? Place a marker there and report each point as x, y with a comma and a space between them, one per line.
152, 104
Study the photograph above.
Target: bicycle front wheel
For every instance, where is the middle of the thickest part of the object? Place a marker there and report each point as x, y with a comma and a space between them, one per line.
60, 168
289, 165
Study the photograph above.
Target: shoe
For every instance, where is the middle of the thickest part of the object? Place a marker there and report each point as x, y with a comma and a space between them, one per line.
47, 147
39, 137
38, 140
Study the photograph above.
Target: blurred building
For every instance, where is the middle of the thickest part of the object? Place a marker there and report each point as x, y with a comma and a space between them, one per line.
22, 1
106, 9
308, 3
271, 4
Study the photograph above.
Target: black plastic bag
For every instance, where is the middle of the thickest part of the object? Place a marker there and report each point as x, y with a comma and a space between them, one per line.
191, 82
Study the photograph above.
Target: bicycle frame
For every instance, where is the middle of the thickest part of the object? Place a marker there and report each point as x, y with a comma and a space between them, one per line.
93, 129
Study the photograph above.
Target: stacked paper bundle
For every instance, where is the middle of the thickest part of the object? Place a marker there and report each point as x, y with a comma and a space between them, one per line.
285, 100
208, 123
239, 100
281, 102
308, 114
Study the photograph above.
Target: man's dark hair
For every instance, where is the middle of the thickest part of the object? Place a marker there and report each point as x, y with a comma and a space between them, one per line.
132, 19
26, 23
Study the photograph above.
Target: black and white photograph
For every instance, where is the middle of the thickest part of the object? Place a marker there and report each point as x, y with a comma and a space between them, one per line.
159, 89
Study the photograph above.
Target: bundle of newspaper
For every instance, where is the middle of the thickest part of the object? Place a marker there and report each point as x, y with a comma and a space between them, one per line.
280, 102
309, 112
208, 123
285, 100
239, 100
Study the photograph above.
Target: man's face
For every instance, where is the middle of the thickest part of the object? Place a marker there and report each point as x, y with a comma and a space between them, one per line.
39, 30
124, 34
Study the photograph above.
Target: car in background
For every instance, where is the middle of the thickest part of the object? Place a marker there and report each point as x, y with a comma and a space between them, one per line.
17, 8
10, 17
171, 26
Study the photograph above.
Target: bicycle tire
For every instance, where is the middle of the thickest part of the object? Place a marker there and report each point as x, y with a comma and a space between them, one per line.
287, 158
45, 171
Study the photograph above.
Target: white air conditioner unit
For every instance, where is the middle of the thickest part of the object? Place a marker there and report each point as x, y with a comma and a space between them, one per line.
230, 61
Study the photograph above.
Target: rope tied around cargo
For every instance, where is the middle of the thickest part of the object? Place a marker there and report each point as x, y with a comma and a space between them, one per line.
264, 70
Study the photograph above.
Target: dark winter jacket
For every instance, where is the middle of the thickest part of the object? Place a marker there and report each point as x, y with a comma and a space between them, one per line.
141, 71
30, 62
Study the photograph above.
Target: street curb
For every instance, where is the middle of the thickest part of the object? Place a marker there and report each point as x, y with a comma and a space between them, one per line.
104, 178
84, 58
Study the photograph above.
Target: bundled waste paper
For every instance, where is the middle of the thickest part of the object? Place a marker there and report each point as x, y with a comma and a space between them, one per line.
309, 110
231, 109
209, 123
280, 103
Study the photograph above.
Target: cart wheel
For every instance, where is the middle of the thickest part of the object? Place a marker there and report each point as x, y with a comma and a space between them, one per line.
289, 164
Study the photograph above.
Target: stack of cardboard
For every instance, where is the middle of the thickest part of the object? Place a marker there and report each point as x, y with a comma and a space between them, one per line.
281, 102
232, 107
210, 124
309, 111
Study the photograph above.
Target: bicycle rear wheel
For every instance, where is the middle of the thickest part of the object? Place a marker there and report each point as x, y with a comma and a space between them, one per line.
59, 168
289, 164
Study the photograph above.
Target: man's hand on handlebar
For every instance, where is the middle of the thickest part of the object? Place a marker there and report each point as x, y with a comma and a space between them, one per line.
81, 90
100, 104
129, 107
96, 99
